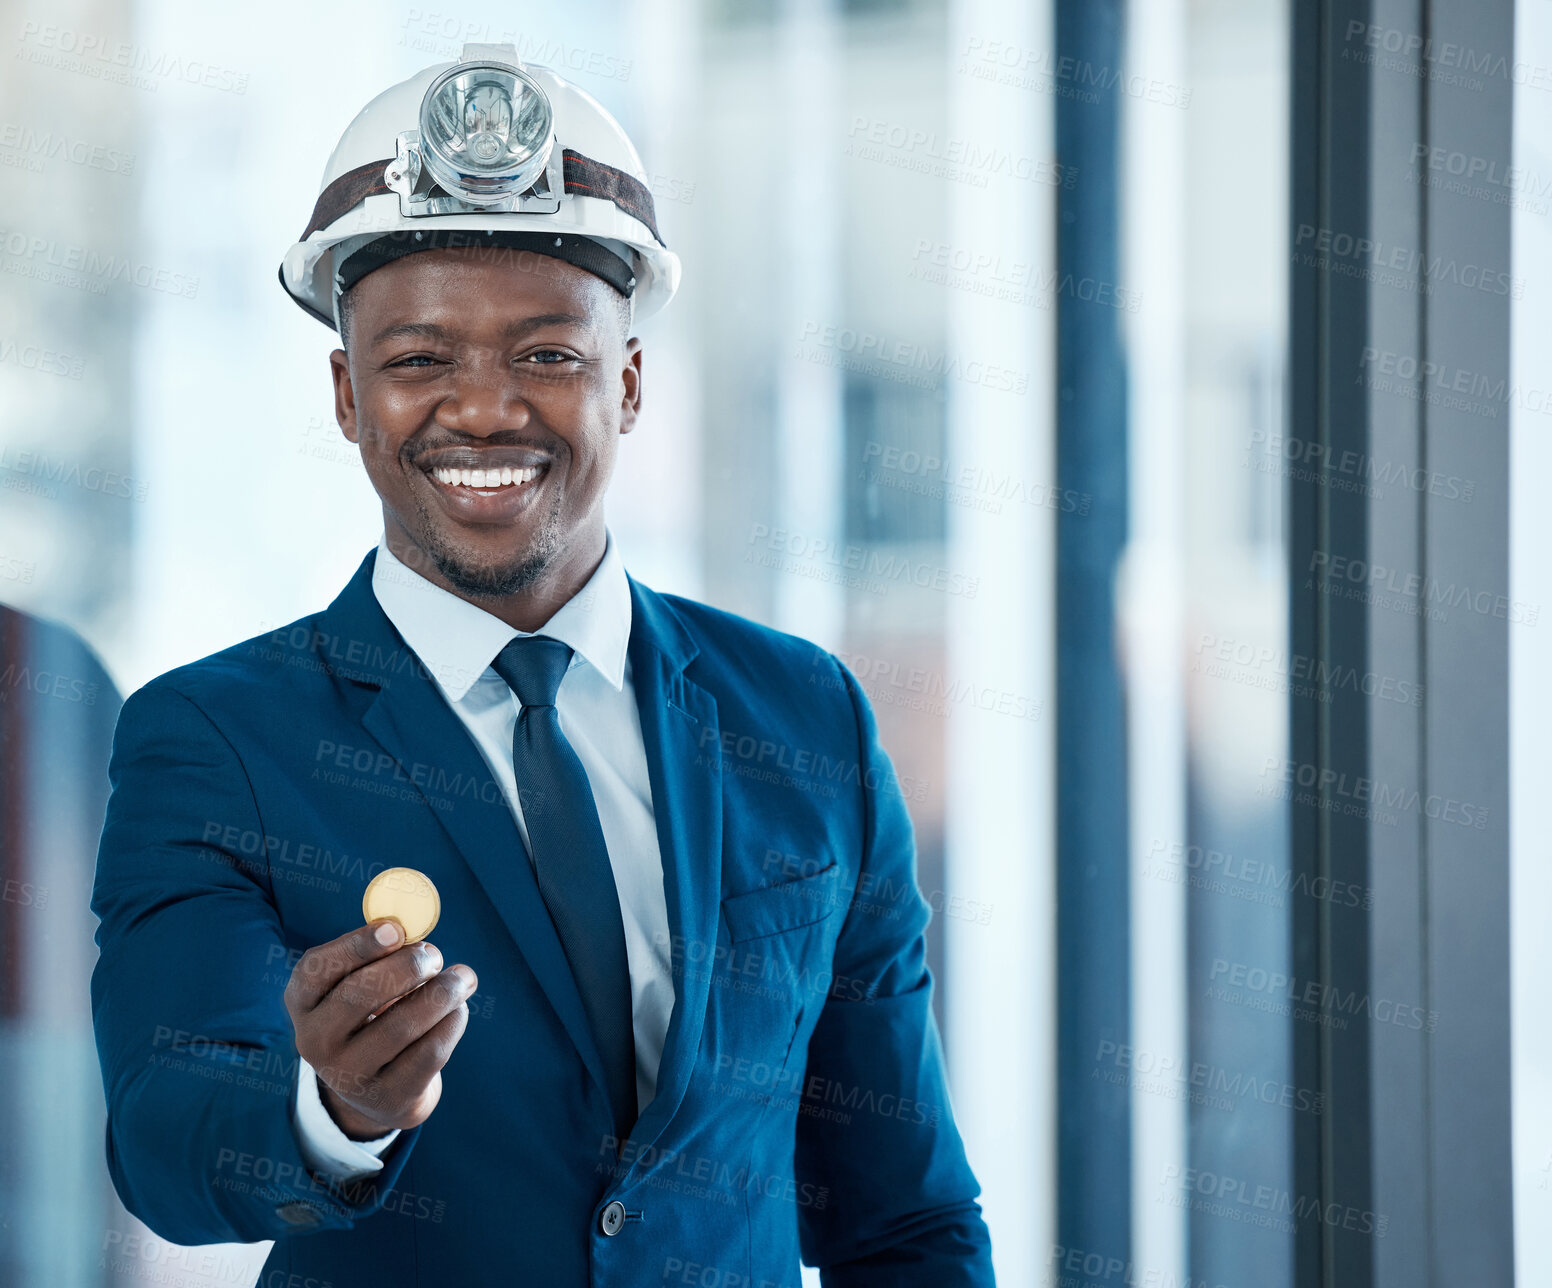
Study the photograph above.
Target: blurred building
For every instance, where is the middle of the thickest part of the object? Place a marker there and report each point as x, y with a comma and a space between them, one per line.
57, 710
978, 377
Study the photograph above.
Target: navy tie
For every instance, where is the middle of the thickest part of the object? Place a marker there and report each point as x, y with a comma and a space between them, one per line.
572, 861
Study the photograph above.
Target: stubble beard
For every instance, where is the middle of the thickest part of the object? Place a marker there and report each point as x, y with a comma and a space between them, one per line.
485, 581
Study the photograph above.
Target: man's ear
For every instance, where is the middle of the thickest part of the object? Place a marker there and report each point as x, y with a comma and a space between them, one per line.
630, 381
344, 395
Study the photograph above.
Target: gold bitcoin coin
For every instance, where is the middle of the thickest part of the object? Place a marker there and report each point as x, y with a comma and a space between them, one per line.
408, 897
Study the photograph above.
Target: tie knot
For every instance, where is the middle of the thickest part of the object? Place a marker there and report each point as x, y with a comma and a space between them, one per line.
534, 665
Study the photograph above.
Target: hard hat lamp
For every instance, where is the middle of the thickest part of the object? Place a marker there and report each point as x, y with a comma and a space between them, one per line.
486, 132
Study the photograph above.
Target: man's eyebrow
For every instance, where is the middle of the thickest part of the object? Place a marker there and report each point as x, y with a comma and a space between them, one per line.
410, 331
513, 330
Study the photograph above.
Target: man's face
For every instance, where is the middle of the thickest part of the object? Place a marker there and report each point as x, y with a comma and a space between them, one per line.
487, 390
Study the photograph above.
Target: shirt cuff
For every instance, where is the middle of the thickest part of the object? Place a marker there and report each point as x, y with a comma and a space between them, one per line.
325, 1147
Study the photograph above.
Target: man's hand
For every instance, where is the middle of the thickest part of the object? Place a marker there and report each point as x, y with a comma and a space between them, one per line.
378, 1022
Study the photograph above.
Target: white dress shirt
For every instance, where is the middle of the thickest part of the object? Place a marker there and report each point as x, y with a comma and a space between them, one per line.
596, 706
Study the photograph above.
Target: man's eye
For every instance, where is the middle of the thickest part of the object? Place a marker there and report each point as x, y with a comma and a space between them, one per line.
414, 360
547, 356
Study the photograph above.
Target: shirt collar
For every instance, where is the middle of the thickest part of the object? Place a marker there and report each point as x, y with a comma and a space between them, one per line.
457, 640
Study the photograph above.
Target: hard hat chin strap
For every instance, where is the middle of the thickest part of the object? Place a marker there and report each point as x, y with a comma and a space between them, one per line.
583, 177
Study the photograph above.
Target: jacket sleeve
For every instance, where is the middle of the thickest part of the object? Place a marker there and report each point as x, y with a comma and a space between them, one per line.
901, 1210
199, 1062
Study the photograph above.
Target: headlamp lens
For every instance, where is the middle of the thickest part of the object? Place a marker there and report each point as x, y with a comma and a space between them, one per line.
485, 131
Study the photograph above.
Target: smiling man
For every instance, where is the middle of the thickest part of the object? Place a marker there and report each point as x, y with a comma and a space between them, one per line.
700, 1044
495, 492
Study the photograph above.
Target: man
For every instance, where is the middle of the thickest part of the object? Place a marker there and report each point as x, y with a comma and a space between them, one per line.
702, 1041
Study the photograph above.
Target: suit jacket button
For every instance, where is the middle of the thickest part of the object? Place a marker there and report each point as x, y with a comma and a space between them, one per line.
612, 1220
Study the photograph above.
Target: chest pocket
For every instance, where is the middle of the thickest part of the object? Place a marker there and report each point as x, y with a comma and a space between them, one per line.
770, 910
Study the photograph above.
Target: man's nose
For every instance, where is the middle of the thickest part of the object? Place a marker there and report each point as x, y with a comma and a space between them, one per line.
483, 402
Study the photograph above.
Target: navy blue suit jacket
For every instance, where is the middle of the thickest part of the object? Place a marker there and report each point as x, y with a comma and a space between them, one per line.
801, 1103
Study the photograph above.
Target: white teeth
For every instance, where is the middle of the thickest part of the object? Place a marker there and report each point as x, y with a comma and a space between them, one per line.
506, 476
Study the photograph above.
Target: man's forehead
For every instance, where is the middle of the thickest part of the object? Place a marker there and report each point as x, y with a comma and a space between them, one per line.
516, 290
506, 262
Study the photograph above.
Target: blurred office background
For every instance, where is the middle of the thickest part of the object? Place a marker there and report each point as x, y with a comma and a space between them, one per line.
978, 377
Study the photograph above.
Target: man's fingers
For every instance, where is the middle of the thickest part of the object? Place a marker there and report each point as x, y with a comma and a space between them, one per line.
372, 990
321, 968
412, 1018
423, 1059
378, 1019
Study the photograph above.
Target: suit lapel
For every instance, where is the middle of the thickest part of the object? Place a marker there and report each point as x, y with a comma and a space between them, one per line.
684, 762
680, 731
410, 720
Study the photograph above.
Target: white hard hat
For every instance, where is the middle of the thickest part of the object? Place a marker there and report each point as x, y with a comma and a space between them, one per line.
488, 151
